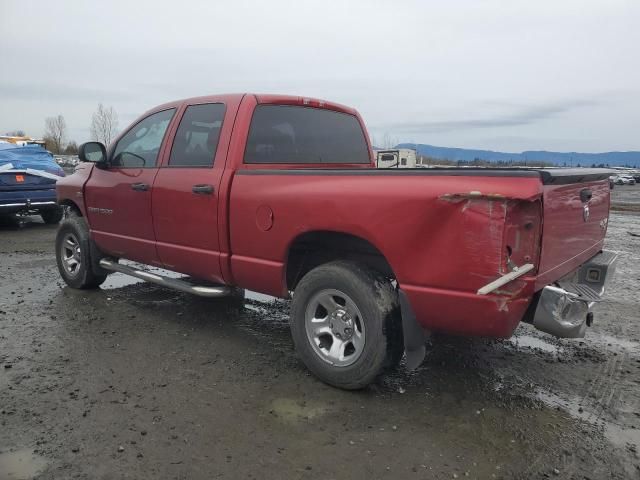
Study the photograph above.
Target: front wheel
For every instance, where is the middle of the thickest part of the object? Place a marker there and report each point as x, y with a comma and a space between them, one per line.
345, 323
73, 254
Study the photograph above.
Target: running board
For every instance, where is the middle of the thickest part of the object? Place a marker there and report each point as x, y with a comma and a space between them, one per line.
174, 283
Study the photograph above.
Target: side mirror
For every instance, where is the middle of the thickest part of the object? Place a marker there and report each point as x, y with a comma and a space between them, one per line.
93, 152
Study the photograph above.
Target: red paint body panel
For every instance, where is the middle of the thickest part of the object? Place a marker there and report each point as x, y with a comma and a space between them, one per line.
466, 313
438, 248
70, 189
188, 227
427, 240
119, 217
444, 235
566, 230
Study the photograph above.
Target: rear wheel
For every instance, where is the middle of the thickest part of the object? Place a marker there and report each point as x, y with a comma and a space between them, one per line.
73, 254
52, 216
345, 323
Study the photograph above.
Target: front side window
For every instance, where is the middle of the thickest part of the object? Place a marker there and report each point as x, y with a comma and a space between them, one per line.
140, 146
293, 134
197, 137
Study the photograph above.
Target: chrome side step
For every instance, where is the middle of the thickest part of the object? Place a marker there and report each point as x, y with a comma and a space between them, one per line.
174, 283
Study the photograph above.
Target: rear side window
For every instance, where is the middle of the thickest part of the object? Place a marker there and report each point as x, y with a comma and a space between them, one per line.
292, 134
197, 138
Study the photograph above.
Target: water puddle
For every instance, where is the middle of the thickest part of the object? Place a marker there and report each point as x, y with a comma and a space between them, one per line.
21, 465
529, 341
119, 280
294, 411
616, 434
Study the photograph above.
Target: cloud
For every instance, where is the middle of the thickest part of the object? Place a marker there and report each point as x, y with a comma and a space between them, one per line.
521, 116
67, 92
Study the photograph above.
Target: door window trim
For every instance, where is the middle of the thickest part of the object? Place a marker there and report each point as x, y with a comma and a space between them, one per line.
183, 112
160, 148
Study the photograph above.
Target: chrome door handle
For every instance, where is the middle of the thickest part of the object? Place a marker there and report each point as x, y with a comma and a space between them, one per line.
202, 189
585, 195
139, 187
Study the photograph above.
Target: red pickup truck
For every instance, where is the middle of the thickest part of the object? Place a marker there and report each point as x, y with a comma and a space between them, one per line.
280, 195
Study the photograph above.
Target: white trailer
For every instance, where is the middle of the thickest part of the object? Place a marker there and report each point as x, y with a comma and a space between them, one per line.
398, 158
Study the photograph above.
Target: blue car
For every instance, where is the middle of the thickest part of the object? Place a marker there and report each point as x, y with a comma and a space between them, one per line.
28, 176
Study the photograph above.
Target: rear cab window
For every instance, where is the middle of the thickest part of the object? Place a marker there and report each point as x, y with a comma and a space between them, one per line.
290, 134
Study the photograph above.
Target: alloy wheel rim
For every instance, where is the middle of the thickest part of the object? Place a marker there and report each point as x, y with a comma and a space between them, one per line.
335, 327
70, 254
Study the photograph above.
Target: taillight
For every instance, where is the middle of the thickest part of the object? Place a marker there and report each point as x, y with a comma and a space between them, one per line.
522, 234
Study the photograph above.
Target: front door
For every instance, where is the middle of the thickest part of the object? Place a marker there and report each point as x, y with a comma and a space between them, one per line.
118, 198
186, 194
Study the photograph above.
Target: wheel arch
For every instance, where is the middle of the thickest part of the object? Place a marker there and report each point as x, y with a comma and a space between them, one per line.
313, 248
71, 206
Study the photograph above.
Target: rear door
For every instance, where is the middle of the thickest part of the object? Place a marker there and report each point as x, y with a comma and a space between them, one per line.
186, 192
118, 198
575, 218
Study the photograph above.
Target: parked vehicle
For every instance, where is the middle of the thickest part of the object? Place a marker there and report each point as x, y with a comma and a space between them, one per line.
28, 176
625, 180
398, 158
280, 195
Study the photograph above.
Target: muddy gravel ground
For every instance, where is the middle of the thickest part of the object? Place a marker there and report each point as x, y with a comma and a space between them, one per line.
626, 198
134, 381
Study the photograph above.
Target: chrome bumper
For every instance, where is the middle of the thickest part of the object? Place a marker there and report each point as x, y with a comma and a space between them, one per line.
564, 309
27, 204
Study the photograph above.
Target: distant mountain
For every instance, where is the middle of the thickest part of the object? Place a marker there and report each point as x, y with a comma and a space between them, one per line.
612, 159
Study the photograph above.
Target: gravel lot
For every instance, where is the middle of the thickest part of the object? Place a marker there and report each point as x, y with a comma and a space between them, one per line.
134, 381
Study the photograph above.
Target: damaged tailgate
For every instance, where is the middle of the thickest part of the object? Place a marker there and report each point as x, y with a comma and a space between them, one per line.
575, 218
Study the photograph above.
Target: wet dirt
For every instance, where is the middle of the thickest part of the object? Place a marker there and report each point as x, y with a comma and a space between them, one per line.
20, 465
135, 381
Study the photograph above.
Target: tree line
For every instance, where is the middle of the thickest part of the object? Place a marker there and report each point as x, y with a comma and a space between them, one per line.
104, 127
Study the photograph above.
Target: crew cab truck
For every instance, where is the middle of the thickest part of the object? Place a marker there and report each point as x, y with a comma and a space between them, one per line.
280, 195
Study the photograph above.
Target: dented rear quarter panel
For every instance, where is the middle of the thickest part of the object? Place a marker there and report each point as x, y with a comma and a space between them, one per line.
442, 236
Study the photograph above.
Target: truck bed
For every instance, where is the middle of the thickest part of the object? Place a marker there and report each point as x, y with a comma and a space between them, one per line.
444, 231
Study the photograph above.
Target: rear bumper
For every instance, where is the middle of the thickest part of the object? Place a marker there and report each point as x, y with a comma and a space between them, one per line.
565, 309
24, 200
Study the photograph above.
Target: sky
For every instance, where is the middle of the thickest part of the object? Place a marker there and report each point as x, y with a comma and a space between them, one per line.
505, 75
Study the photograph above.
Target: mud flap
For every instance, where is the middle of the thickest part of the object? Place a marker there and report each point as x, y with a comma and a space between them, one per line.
414, 335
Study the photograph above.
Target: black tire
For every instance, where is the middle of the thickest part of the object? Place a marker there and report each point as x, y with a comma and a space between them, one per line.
52, 216
377, 304
74, 228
